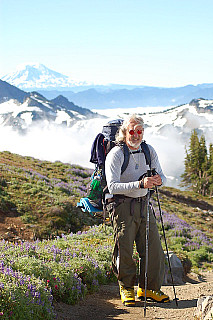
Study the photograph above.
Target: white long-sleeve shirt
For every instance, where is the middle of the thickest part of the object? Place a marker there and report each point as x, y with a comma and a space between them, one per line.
128, 183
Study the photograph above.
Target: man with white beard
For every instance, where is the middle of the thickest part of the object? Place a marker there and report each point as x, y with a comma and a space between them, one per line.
127, 206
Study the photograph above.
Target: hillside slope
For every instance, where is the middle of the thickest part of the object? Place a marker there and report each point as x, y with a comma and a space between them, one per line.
38, 200
43, 194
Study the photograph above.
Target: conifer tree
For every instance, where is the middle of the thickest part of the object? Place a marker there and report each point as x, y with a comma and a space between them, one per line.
202, 153
189, 177
203, 181
210, 170
198, 166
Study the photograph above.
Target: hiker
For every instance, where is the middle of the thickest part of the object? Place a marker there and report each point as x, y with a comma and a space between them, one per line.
127, 207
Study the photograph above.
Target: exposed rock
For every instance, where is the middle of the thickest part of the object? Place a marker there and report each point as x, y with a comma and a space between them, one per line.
177, 270
205, 308
187, 265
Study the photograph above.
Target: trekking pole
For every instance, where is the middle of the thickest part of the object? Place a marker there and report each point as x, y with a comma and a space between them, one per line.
104, 217
147, 245
167, 251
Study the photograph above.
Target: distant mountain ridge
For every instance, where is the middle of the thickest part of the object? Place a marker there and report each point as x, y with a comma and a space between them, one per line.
169, 130
8, 92
20, 110
64, 102
37, 77
134, 98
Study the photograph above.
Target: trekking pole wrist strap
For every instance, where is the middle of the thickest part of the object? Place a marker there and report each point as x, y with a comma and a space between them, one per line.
141, 184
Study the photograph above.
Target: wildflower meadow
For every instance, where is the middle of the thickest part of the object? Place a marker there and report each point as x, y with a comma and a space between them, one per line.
71, 253
34, 274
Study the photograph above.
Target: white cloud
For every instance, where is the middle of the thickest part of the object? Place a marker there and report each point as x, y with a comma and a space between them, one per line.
53, 143
73, 145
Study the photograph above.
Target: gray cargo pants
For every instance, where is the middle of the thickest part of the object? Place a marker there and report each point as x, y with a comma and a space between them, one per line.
129, 225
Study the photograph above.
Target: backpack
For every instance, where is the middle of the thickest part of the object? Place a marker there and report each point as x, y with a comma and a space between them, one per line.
101, 146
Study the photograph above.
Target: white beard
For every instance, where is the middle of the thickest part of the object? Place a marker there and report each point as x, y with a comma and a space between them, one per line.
134, 144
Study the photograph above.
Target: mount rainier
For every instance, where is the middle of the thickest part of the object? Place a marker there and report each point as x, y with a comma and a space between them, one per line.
49, 83
37, 76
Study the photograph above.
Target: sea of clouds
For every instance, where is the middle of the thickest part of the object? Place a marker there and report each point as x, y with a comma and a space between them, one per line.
73, 145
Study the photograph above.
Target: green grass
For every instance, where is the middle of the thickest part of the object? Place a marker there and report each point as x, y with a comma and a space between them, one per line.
194, 215
44, 193
77, 258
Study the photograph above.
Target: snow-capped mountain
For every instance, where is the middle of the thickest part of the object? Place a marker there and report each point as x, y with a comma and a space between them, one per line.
179, 120
169, 131
49, 83
60, 130
37, 76
21, 110
36, 110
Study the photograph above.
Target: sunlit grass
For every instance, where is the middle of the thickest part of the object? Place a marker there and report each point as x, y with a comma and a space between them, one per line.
73, 259
44, 193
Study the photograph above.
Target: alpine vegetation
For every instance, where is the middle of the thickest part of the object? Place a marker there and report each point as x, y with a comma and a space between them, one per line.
68, 253
35, 274
198, 174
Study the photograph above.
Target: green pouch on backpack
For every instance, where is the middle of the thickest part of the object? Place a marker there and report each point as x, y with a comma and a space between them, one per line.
95, 189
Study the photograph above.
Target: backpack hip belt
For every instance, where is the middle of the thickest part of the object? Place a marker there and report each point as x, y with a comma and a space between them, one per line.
118, 199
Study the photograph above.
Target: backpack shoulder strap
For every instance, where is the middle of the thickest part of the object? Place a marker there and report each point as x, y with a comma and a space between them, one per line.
146, 152
125, 150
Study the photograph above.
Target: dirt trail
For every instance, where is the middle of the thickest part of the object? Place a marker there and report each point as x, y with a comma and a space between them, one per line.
106, 304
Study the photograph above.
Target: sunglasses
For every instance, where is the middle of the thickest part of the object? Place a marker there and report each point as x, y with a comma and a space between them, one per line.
131, 132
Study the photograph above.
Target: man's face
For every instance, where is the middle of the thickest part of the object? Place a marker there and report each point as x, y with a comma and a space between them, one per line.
134, 135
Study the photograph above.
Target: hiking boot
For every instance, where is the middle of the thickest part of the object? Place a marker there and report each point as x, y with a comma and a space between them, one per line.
157, 296
127, 296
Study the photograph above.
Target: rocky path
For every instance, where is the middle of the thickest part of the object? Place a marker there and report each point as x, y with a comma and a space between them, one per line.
106, 304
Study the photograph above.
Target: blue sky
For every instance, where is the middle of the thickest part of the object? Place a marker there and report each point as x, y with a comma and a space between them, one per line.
155, 42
